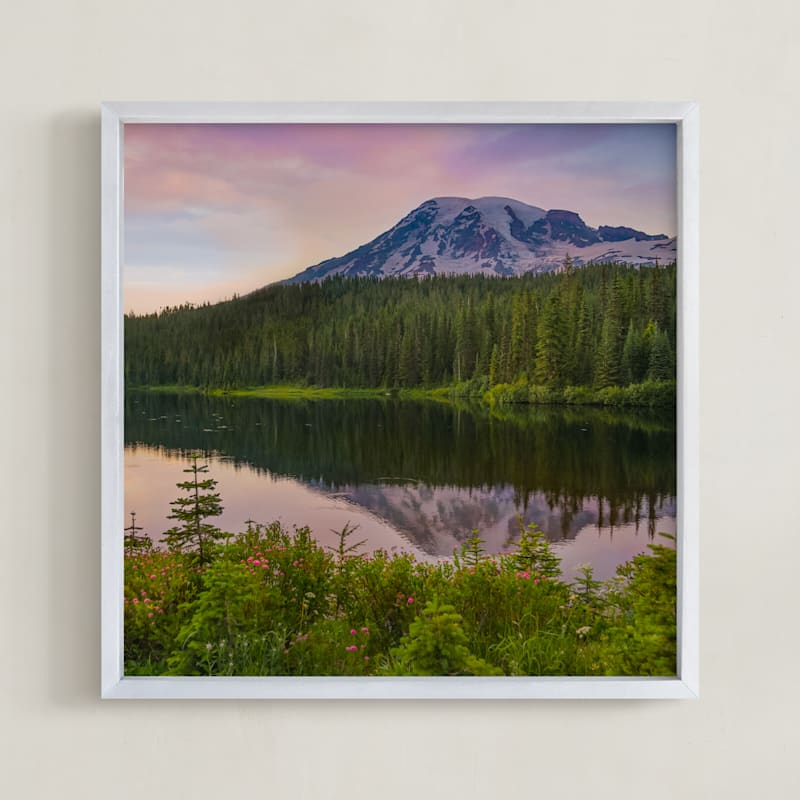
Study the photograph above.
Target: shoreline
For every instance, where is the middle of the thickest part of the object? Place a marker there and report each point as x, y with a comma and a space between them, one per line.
644, 395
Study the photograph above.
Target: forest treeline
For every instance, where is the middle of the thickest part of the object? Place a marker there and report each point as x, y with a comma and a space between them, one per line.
600, 326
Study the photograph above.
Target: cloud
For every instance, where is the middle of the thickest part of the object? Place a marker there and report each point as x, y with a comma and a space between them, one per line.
228, 203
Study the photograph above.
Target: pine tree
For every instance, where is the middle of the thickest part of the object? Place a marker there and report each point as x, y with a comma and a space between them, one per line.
466, 345
634, 356
551, 356
495, 366
534, 554
408, 366
517, 336
134, 543
584, 351
437, 645
201, 502
607, 356
661, 366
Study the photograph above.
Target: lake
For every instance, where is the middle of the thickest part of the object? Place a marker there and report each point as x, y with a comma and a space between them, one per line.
413, 476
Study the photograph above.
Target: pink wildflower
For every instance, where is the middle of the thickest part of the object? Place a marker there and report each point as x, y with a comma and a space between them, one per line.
410, 600
353, 631
352, 648
256, 563
136, 600
150, 614
365, 630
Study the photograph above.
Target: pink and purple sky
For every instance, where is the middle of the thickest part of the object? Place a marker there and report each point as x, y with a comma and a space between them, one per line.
211, 210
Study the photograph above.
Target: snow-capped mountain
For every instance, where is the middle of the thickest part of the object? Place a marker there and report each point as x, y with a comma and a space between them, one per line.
493, 236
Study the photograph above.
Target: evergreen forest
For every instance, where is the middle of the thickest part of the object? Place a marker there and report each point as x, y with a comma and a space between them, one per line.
569, 334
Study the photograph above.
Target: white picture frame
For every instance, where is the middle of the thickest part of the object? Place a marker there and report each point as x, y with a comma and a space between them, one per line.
115, 685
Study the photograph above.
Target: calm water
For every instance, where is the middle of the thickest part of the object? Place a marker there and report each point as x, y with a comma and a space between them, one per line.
416, 476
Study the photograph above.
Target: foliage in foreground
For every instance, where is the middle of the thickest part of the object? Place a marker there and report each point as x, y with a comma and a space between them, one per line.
274, 602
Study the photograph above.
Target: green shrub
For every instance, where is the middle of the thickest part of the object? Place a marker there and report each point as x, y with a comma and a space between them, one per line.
437, 645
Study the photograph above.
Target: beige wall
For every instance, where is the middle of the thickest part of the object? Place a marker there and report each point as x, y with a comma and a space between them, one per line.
58, 60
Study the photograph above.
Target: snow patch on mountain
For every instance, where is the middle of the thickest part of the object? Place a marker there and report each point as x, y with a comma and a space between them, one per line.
492, 236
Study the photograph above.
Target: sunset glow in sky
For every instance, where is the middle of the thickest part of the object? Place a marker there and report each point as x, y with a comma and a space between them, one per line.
215, 209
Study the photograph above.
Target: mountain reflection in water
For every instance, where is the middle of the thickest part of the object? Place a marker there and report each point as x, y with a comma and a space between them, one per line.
414, 475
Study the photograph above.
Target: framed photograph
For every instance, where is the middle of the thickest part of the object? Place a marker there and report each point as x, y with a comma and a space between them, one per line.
400, 400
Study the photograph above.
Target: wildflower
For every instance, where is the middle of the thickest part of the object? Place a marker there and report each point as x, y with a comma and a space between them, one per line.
353, 631
136, 600
256, 563
352, 648
365, 630
583, 630
209, 646
536, 581
366, 658
410, 600
150, 614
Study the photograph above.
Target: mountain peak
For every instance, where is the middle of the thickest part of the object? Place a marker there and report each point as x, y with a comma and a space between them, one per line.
491, 236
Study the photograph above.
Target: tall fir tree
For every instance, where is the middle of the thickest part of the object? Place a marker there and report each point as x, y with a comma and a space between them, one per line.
200, 503
551, 349
661, 367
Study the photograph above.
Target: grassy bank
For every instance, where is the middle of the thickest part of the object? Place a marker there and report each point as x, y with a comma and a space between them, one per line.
303, 392
650, 394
